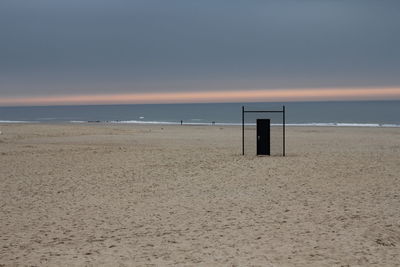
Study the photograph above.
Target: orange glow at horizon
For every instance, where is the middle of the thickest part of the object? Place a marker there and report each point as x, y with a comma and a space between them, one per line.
266, 95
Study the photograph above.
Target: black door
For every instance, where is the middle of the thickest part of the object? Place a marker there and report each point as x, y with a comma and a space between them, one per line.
263, 137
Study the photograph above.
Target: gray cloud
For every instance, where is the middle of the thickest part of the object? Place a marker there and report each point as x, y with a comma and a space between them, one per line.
93, 46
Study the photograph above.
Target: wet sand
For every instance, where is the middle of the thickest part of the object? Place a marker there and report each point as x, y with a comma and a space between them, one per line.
129, 195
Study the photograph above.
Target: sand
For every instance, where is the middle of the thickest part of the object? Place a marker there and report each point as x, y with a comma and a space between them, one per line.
129, 195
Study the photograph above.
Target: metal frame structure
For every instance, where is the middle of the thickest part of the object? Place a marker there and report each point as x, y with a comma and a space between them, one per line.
283, 111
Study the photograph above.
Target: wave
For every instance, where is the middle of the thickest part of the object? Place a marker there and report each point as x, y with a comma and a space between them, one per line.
314, 124
7, 121
143, 122
177, 123
317, 124
343, 124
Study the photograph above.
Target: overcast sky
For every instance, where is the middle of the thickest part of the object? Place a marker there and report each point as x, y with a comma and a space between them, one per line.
72, 47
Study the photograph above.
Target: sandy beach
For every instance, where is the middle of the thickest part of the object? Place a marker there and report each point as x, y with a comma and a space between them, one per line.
140, 195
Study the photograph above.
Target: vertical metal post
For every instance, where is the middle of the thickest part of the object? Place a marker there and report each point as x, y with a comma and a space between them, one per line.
284, 131
242, 130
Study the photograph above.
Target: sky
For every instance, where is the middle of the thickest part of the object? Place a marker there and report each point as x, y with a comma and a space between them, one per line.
157, 51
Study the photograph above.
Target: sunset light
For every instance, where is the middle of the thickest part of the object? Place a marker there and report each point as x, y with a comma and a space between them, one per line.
259, 95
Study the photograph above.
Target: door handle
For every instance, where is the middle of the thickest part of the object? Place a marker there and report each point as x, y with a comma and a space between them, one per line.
258, 137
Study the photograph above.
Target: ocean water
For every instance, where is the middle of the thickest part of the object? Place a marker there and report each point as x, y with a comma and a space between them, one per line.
344, 113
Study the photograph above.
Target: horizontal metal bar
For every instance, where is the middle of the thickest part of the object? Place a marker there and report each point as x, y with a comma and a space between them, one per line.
264, 111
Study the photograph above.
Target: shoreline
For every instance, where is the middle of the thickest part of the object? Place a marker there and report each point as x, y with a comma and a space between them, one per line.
312, 124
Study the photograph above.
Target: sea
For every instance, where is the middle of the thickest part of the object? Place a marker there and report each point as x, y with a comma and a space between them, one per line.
331, 113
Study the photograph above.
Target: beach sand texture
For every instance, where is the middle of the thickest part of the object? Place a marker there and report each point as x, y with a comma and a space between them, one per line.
130, 195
